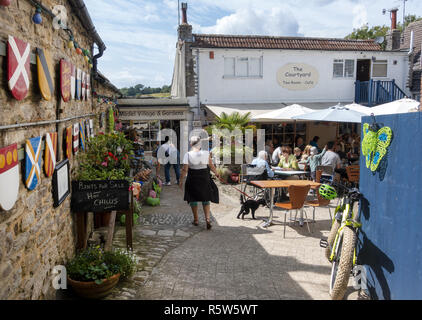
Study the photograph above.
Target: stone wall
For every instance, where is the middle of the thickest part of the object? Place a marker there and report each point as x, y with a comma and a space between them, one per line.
35, 236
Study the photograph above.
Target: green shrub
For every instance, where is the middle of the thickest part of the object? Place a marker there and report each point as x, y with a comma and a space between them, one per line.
107, 158
94, 264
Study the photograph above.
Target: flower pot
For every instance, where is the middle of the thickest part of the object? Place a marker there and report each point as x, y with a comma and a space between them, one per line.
91, 290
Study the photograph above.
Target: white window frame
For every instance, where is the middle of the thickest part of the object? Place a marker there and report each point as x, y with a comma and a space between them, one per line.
343, 63
247, 76
380, 62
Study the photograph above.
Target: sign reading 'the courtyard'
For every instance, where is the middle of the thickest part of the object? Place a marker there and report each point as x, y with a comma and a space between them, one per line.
297, 76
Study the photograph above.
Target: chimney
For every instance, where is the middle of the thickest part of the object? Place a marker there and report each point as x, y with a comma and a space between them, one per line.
184, 16
185, 30
394, 18
393, 38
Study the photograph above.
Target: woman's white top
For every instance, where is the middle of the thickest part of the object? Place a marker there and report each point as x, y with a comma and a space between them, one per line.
197, 159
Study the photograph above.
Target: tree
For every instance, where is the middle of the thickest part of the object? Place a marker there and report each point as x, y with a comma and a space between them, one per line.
365, 32
374, 32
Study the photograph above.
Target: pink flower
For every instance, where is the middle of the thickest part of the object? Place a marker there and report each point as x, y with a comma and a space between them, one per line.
104, 164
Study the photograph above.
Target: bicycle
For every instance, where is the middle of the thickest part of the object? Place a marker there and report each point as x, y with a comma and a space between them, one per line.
340, 246
249, 173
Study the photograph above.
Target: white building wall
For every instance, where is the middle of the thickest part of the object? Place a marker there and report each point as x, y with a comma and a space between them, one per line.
216, 89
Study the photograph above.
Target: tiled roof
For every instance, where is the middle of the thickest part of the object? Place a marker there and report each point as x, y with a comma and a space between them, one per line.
292, 43
415, 77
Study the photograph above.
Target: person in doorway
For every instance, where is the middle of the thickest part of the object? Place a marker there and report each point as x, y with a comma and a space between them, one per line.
168, 155
199, 186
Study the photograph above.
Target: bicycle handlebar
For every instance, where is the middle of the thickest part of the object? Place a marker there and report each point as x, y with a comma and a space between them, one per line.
339, 185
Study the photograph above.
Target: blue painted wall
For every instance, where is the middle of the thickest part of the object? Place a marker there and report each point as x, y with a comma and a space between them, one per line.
390, 244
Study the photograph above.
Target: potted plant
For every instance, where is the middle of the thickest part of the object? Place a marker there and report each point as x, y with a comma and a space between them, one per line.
107, 158
93, 273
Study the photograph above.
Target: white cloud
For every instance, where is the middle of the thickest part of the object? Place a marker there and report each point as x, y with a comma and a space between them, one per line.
360, 16
275, 21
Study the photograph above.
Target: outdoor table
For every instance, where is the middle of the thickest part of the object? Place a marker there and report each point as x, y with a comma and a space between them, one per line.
288, 173
273, 184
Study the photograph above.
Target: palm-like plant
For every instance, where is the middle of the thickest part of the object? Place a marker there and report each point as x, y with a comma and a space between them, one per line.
233, 121
236, 124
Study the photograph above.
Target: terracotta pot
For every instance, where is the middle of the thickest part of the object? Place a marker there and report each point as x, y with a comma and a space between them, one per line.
91, 290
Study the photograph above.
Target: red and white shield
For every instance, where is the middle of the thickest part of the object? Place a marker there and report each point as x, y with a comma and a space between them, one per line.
72, 81
76, 138
88, 87
9, 176
83, 85
18, 67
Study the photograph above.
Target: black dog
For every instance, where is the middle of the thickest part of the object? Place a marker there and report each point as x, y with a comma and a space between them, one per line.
250, 205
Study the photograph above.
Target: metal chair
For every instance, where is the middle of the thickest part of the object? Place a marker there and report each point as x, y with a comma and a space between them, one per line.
298, 196
353, 173
317, 203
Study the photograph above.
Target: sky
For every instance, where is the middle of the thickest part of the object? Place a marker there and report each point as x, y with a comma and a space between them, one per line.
141, 35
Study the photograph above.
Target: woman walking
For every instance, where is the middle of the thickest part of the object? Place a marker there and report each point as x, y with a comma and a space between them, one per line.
199, 186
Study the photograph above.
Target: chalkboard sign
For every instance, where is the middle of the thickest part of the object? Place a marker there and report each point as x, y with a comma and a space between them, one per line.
100, 195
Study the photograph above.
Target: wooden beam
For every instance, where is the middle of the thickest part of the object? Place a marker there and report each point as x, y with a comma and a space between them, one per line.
110, 232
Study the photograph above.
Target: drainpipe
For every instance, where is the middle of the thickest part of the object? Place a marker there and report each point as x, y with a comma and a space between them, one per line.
197, 75
411, 43
82, 13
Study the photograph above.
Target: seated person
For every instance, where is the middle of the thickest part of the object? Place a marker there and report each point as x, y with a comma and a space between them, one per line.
261, 161
298, 153
288, 161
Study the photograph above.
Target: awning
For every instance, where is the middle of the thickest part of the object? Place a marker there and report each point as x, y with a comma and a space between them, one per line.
261, 108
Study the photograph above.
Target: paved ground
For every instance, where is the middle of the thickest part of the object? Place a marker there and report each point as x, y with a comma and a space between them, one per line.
236, 259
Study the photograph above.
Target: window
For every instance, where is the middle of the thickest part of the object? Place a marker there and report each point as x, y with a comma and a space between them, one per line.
243, 67
379, 69
343, 68
229, 67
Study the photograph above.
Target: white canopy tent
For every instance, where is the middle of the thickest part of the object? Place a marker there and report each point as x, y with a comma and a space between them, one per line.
359, 108
281, 114
334, 114
399, 106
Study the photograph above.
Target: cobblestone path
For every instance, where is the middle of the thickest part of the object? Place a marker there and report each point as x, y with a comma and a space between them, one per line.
236, 259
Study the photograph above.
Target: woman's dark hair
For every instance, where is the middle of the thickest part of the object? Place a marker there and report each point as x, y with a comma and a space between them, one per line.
330, 145
316, 138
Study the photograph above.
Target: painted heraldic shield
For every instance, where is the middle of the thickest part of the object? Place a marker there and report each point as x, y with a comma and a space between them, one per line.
32, 162
88, 86
82, 134
45, 74
18, 71
83, 86
65, 79
9, 176
72, 81
75, 138
69, 142
78, 84
50, 153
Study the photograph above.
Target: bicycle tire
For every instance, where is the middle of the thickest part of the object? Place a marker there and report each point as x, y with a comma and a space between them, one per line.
345, 264
331, 237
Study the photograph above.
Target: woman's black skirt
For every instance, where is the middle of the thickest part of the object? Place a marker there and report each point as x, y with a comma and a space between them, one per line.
199, 187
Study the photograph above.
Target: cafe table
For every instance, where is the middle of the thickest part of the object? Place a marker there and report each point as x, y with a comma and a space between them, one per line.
273, 184
288, 173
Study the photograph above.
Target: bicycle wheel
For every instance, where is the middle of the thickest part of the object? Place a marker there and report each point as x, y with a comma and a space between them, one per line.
342, 264
331, 237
